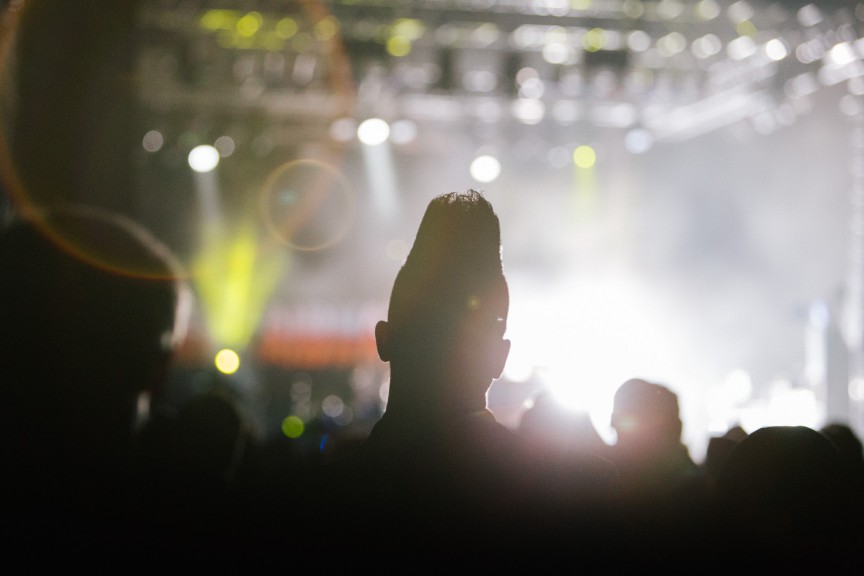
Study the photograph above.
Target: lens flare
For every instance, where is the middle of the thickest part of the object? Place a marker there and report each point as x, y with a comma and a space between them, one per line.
308, 205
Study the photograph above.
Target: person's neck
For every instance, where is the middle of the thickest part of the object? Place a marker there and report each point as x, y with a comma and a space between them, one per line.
429, 400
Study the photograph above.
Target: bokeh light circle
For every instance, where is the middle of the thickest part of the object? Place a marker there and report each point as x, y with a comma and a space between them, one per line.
227, 361
293, 427
308, 205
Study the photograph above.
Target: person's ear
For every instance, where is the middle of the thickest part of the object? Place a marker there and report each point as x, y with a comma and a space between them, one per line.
382, 340
501, 352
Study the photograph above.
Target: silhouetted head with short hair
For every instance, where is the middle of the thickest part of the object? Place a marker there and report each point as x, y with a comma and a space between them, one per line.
645, 415
782, 492
448, 308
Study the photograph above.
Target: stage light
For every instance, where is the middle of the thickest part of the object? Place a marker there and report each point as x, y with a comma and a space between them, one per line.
203, 158
485, 168
227, 361
776, 49
373, 131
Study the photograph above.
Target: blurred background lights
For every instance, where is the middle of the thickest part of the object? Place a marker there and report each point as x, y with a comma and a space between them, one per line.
809, 15
292, 427
856, 389
584, 156
225, 145
343, 129
152, 141
332, 406
638, 40
485, 168
740, 48
842, 54
706, 46
373, 131
707, 9
203, 158
739, 386
528, 110
403, 132
776, 49
694, 80
638, 140
227, 361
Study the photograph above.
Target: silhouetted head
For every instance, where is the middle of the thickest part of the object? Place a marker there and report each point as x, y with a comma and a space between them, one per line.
645, 414
783, 482
851, 450
448, 307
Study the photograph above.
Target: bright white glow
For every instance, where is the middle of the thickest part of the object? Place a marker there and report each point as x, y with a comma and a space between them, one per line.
203, 158
786, 405
485, 168
227, 361
586, 336
740, 48
842, 54
528, 110
373, 131
152, 141
775, 49
794, 407
856, 389
381, 175
738, 386
556, 53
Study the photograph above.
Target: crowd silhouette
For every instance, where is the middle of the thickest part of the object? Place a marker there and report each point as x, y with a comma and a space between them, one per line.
94, 459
